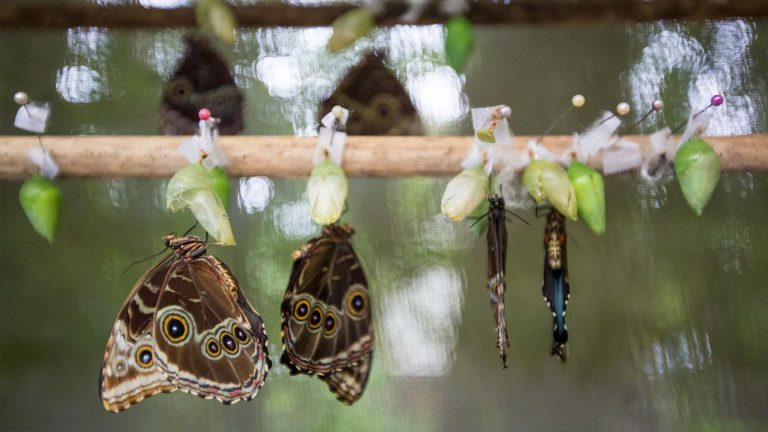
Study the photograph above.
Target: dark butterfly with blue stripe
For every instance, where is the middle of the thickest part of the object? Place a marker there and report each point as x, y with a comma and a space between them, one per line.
326, 315
556, 289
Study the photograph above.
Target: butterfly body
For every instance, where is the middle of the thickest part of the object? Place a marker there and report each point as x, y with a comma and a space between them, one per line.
497, 257
326, 315
556, 288
185, 326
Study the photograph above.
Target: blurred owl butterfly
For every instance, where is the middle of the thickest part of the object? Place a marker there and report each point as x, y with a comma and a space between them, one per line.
378, 103
326, 315
202, 80
185, 326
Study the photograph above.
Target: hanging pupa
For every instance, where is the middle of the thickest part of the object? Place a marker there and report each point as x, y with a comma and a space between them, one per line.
350, 27
458, 42
41, 201
198, 188
546, 180
192, 188
216, 17
39, 197
697, 167
328, 186
589, 186
464, 193
220, 184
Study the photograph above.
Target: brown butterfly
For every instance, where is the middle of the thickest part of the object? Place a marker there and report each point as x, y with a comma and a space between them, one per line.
497, 258
202, 80
378, 102
185, 326
326, 315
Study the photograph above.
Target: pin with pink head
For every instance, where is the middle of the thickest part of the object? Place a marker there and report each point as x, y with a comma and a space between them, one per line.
204, 114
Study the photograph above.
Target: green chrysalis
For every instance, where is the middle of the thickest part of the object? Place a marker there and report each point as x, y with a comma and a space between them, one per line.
590, 195
458, 42
220, 184
350, 27
547, 180
215, 17
41, 201
697, 167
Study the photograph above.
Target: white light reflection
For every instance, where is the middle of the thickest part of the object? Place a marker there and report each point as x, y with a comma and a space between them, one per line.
255, 193
687, 351
420, 323
293, 220
160, 51
717, 70
295, 67
438, 233
79, 84
88, 43
280, 75
436, 92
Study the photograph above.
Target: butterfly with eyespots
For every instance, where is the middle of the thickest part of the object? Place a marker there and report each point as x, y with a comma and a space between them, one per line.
326, 315
186, 326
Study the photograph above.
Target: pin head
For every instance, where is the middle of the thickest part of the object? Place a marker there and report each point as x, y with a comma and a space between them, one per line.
505, 111
622, 109
657, 105
578, 101
717, 100
21, 98
204, 114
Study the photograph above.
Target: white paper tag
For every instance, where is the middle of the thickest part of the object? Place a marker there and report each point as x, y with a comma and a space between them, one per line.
480, 118
41, 157
33, 117
624, 155
598, 137
207, 142
331, 142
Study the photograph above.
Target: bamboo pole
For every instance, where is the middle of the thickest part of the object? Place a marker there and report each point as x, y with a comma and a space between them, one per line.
272, 14
285, 156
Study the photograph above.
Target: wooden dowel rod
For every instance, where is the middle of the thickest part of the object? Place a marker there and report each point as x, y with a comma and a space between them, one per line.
283, 156
20, 14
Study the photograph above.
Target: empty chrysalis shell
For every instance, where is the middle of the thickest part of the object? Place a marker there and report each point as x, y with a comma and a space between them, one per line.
220, 184
590, 195
458, 42
41, 201
546, 180
350, 27
697, 167
464, 193
327, 189
192, 188
215, 17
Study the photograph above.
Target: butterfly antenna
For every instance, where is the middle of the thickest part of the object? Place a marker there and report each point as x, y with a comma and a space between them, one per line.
575, 240
517, 216
143, 260
190, 230
478, 219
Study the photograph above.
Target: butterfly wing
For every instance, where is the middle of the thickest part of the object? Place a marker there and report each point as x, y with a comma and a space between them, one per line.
128, 371
210, 341
326, 317
497, 257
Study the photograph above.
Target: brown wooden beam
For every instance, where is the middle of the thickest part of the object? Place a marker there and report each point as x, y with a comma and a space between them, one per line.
285, 156
273, 14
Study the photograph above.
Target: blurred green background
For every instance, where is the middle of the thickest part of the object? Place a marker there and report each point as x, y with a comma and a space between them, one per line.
667, 316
